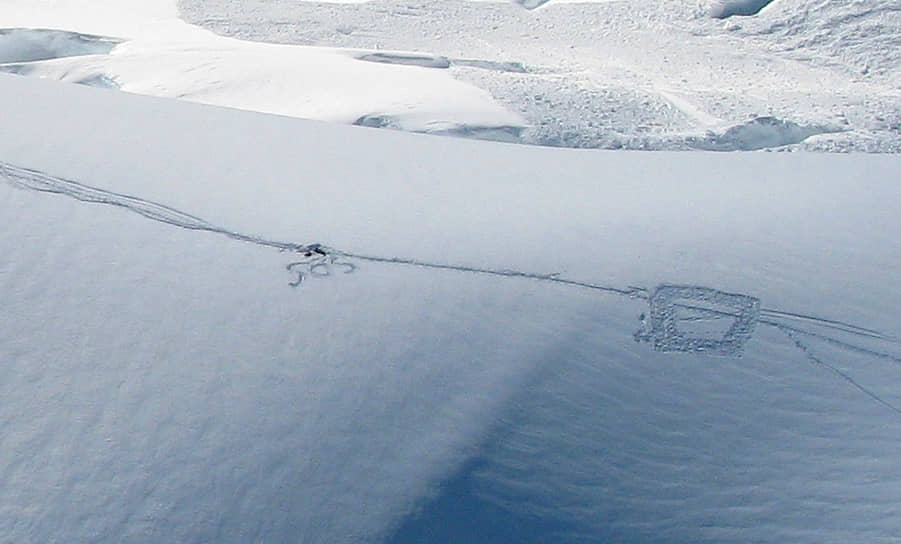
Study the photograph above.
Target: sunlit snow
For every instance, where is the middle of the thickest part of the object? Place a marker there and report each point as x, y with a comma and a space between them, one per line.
168, 58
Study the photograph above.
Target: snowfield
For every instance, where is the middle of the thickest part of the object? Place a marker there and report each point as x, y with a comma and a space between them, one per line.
222, 325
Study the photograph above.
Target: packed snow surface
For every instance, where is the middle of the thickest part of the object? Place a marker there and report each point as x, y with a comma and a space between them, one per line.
633, 74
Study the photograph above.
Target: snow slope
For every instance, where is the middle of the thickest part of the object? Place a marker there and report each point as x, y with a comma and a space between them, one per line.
598, 346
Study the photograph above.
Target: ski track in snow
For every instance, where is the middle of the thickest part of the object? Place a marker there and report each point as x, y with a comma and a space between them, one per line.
666, 301
843, 375
25, 178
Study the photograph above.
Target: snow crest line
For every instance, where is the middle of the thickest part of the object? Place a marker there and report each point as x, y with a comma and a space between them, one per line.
662, 332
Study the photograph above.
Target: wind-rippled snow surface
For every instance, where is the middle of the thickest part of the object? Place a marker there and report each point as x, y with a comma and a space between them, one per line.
800, 74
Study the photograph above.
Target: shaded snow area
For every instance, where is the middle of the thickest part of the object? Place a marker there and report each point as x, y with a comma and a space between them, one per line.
728, 8
21, 51
26, 45
758, 133
225, 326
626, 74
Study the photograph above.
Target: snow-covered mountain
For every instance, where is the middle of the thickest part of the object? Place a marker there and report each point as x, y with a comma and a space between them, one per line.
230, 326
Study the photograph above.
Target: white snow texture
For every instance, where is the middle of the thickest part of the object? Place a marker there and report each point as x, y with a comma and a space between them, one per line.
229, 326
635, 75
